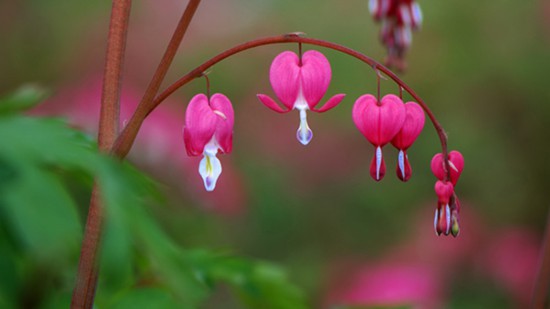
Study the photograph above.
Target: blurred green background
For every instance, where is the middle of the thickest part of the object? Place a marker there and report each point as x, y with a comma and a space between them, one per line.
313, 211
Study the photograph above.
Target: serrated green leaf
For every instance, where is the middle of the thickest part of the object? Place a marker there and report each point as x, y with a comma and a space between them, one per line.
22, 99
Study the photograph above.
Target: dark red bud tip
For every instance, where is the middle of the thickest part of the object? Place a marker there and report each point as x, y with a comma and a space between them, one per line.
404, 170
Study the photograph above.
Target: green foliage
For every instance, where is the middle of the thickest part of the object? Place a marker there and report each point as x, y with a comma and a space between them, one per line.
41, 163
24, 98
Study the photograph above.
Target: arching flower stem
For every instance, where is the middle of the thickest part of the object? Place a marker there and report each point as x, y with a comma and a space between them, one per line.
126, 138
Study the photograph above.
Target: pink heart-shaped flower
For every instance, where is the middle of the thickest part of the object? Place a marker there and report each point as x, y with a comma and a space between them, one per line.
379, 121
205, 120
456, 162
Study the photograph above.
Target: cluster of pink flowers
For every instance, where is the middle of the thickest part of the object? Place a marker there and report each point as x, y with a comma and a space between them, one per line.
388, 120
448, 206
398, 19
300, 82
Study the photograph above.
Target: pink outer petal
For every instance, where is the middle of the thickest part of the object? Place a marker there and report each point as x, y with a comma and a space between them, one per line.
413, 125
269, 102
224, 127
331, 103
455, 158
200, 125
358, 112
283, 75
444, 191
380, 123
315, 76
392, 117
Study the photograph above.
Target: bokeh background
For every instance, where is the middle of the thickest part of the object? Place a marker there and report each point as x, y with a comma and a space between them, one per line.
342, 238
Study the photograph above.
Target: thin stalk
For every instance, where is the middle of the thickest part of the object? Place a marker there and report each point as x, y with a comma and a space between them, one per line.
125, 140
87, 273
154, 85
542, 283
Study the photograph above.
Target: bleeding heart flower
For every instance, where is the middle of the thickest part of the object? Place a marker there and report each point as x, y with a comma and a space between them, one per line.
209, 128
456, 162
413, 125
300, 84
443, 214
379, 122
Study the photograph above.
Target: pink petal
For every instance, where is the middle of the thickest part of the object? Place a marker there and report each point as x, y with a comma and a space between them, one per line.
283, 75
358, 112
269, 102
224, 127
444, 191
200, 125
392, 117
331, 103
455, 159
380, 123
413, 125
315, 76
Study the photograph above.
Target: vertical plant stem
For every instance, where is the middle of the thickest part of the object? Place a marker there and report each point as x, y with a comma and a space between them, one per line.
542, 283
87, 273
154, 86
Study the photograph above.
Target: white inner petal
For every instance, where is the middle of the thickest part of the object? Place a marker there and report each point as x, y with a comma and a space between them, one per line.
378, 161
447, 219
210, 166
304, 133
417, 13
405, 14
436, 216
401, 162
373, 6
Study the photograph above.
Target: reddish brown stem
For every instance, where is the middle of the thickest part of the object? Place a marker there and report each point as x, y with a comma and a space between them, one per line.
542, 283
87, 273
154, 86
125, 140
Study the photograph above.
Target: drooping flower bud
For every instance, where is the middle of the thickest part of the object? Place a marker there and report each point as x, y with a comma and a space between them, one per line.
456, 163
443, 213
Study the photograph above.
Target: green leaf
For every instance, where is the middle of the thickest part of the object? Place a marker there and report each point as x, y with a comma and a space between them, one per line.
42, 213
22, 99
259, 284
